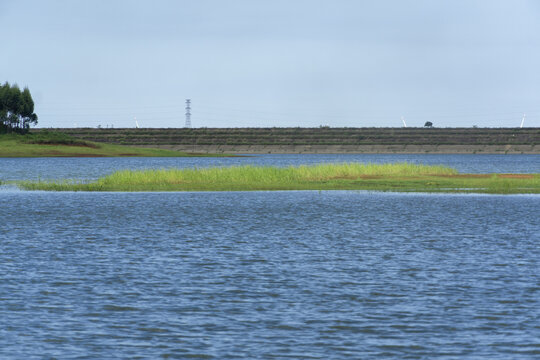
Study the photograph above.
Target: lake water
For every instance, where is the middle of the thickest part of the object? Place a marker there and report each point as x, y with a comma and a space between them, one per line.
267, 275
91, 168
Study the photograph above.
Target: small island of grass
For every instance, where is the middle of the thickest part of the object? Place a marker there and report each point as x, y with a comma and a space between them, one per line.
56, 144
400, 177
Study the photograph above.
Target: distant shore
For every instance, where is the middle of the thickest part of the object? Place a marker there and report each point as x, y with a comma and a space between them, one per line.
352, 149
324, 140
55, 144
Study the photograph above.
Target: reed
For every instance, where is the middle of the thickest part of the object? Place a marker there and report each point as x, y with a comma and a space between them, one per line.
347, 176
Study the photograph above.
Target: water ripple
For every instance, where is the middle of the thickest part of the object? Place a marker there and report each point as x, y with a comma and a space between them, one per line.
303, 275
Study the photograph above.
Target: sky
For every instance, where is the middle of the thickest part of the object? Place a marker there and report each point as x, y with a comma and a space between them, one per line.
275, 63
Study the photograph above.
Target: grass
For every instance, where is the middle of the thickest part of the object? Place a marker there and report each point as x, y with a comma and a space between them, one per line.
55, 144
402, 177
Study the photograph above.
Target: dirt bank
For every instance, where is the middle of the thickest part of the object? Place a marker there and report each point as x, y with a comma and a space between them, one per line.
355, 149
322, 140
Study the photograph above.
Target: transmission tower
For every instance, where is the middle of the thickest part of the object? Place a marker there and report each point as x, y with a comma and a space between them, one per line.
188, 113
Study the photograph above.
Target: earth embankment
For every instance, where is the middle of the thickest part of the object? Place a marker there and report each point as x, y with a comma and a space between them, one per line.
322, 140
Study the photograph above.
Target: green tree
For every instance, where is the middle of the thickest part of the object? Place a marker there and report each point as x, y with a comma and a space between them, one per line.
16, 109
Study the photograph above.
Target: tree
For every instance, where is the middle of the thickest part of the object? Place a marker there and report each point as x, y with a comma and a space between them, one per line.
428, 124
16, 109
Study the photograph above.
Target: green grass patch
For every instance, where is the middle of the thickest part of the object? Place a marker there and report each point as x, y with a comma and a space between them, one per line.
55, 138
402, 177
56, 144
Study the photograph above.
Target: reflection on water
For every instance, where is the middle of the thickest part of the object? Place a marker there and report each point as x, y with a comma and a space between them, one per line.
270, 275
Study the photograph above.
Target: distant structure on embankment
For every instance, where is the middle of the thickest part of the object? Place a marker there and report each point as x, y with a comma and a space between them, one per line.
322, 140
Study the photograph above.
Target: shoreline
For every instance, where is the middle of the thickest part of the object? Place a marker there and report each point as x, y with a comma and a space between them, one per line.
351, 149
322, 140
49, 144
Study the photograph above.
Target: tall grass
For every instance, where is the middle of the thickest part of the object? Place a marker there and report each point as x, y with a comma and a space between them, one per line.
269, 174
349, 176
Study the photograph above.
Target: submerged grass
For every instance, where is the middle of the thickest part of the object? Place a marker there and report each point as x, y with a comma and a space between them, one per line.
402, 177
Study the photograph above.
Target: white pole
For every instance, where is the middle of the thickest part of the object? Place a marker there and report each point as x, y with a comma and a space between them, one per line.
522, 121
136, 123
403, 121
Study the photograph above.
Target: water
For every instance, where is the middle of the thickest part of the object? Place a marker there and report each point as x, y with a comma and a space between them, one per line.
267, 275
92, 168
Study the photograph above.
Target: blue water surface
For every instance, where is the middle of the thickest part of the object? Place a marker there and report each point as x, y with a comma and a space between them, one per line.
267, 275
92, 168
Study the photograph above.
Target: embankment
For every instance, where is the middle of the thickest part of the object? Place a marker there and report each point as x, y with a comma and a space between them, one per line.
323, 140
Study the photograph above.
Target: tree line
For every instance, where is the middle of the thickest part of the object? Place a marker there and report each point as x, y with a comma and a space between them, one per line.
16, 109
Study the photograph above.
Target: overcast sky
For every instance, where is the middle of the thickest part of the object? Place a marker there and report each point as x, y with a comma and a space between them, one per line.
275, 62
